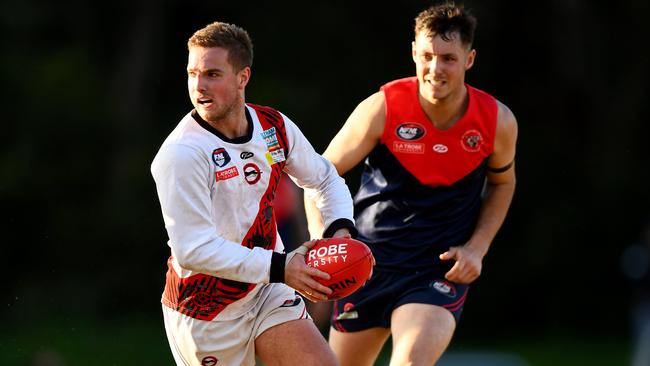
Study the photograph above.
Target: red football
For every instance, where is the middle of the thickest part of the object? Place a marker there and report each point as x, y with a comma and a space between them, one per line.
347, 261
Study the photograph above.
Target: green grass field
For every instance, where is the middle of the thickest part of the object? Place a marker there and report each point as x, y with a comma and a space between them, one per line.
139, 342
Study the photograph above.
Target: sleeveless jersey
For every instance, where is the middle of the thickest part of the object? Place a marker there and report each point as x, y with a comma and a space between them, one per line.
421, 187
217, 197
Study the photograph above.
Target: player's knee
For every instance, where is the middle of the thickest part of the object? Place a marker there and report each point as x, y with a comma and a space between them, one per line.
418, 356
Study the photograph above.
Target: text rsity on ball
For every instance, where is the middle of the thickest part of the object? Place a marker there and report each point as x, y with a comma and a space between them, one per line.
334, 253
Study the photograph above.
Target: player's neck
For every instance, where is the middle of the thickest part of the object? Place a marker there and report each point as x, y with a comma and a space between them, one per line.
233, 124
445, 112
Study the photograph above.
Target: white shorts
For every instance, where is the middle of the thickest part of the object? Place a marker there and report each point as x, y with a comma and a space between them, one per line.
197, 342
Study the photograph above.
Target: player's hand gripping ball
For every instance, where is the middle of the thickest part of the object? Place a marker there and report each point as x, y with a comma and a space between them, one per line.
348, 262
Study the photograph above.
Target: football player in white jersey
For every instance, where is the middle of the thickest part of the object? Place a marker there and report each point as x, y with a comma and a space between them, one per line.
230, 294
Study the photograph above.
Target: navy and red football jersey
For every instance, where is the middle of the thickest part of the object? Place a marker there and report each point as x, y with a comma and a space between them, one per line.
421, 187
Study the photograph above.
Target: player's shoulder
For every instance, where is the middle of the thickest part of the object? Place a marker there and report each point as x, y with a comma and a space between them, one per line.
506, 128
272, 116
182, 145
505, 116
373, 104
184, 130
370, 115
176, 153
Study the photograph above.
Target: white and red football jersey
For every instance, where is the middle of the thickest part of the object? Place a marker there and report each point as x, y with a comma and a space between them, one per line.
216, 196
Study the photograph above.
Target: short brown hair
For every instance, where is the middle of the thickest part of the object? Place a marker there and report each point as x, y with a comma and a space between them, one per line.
227, 36
445, 20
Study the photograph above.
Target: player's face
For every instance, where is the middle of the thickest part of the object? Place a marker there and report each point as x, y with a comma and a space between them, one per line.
215, 88
441, 65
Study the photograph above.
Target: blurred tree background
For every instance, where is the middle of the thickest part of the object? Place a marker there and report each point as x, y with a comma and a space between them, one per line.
89, 92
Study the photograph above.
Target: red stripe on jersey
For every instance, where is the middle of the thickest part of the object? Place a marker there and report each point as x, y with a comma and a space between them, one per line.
437, 157
203, 296
263, 231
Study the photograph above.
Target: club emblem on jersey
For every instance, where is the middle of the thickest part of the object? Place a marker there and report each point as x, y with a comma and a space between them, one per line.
410, 131
252, 173
348, 306
471, 141
443, 287
220, 157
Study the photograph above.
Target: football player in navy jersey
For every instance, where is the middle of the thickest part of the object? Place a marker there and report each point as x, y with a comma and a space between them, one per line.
438, 180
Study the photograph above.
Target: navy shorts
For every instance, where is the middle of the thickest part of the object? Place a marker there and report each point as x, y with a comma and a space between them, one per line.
372, 305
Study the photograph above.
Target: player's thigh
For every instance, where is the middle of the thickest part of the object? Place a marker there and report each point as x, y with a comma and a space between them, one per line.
421, 333
358, 348
296, 342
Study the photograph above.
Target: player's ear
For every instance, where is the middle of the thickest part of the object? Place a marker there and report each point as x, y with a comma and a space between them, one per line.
244, 76
471, 56
413, 50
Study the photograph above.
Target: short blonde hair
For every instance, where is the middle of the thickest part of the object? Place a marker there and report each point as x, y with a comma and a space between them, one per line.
227, 36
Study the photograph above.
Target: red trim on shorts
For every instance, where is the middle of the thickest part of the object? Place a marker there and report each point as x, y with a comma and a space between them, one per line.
456, 305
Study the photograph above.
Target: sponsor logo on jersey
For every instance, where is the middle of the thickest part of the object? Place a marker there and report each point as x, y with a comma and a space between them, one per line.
275, 156
348, 312
270, 138
226, 173
410, 131
348, 315
471, 141
443, 287
209, 361
275, 153
246, 155
252, 173
220, 157
440, 148
408, 147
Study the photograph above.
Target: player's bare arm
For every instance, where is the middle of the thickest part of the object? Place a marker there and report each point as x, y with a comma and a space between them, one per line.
358, 136
500, 189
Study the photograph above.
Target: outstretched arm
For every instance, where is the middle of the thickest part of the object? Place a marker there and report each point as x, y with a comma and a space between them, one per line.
500, 189
358, 136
